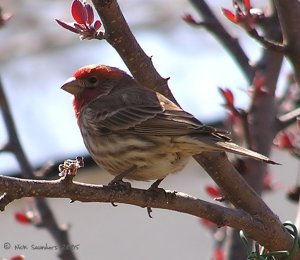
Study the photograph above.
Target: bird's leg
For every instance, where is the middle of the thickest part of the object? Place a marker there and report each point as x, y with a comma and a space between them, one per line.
154, 185
119, 184
151, 191
118, 180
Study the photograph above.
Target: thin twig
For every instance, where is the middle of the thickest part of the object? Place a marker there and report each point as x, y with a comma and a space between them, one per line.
13, 140
245, 125
268, 44
231, 44
287, 119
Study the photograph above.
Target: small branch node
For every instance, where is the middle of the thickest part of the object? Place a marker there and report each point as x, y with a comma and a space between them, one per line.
69, 168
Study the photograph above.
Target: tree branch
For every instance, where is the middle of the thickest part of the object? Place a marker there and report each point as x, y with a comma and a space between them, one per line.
238, 191
288, 13
287, 119
119, 35
231, 44
176, 201
268, 44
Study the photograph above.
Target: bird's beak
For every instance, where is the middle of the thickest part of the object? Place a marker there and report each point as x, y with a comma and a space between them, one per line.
72, 86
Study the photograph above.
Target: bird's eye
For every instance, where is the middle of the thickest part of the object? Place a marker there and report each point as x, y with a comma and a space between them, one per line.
92, 80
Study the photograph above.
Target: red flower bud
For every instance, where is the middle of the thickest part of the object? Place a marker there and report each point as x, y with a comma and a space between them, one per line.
284, 140
229, 15
213, 191
22, 218
228, 95
18, 257
189, 19
247, 5
83, 15
207, 223
218, 254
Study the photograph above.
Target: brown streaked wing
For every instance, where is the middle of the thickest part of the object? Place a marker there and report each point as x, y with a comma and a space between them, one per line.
176, 123
173, 121
141, 111
122, 110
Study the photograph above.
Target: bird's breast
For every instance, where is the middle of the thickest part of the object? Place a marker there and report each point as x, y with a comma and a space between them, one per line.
154, 157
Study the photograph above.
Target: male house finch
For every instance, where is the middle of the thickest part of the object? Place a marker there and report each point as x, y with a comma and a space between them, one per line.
137, 133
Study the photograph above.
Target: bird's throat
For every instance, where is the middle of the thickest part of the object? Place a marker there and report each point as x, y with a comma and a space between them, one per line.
77, 105
83, 99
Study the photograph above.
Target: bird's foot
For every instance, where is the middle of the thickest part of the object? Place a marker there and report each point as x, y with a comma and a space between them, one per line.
152, 192
154, 185
119, 185
149, 211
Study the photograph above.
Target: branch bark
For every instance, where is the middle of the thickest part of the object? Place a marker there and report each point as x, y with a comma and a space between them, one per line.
288, 13
65, 188
262, 112
119, 35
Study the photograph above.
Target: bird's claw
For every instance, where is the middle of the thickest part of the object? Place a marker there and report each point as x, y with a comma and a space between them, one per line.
149, 211
119, 186
152, 192
114, 204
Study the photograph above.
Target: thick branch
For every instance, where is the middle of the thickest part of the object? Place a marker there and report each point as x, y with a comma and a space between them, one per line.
297, 220
289, 17
262, 114
65, 188
119, 35
237, 191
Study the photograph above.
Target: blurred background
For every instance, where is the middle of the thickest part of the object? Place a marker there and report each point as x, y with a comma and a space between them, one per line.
37, 56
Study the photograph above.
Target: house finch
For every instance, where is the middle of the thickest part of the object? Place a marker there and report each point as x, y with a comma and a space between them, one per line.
137, 133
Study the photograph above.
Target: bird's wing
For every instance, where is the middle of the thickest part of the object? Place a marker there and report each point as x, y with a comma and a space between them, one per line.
139, 111
175, 123
122, 110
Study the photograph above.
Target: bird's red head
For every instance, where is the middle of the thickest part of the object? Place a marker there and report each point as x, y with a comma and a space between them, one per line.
98, 71
90, 82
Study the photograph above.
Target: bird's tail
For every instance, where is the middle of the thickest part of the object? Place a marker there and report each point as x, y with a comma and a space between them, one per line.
234, 148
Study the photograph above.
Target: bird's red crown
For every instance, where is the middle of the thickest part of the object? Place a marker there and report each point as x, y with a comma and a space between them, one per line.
104, 71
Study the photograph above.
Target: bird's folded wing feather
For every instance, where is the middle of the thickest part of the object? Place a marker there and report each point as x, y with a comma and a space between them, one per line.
143, 112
